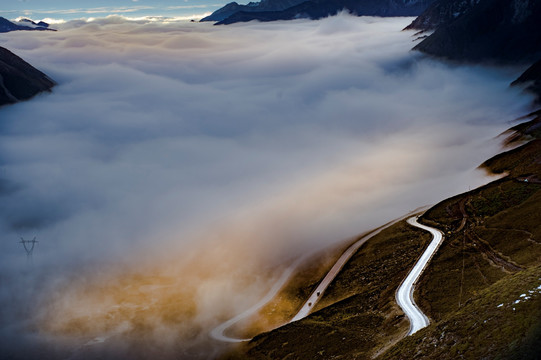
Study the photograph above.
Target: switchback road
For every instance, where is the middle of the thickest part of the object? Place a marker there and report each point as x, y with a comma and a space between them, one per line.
404, 295
218, 333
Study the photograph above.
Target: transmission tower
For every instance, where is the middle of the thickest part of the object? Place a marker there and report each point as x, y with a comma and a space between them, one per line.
29, 247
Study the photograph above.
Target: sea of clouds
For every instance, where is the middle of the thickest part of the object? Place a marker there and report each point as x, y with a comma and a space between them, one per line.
230, 150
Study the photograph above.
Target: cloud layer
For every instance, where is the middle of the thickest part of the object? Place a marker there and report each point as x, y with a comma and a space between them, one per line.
69, 10
231, 150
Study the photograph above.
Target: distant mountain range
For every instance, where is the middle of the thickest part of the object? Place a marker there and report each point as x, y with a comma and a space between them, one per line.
264, 5
24, 24
19, 80
271, 10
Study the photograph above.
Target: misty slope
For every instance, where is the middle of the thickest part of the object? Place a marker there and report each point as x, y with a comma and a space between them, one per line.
357, 312
490, 265
492, 30
19, 80
24, 24
531, 79
492, 252
316, 9
491, 256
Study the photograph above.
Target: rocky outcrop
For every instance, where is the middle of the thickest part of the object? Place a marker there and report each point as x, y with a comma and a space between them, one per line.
498, 31
19, 80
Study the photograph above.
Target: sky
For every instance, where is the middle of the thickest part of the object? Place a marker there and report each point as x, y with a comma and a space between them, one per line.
58, 10
177, 168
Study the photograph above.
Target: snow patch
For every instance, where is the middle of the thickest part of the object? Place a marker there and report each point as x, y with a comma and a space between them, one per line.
527, 295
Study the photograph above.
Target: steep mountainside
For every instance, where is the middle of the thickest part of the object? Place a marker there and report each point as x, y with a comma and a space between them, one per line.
484, 286
316, 9
503, 321
531, 79
357, 314
503, 31
19, 80
24, 24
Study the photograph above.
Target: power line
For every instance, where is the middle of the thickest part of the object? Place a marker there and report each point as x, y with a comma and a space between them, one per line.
29, 247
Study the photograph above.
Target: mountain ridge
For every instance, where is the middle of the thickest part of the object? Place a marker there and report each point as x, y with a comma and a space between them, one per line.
264, 5
531, 80
317, 9
19, 80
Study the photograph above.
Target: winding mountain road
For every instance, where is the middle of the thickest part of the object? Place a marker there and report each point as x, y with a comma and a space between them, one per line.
404, 295
218, 333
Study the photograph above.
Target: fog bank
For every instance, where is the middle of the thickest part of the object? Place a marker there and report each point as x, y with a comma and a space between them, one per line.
204, 158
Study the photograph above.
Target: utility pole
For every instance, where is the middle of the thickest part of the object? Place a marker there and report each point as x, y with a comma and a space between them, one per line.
29, 247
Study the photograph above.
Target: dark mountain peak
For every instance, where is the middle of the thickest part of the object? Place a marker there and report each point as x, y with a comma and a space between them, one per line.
40, 24
23, 24
19, 80
223, 13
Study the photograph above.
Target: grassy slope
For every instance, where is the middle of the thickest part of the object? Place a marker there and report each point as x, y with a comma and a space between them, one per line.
291, 297
491, 255
363, 311
502, 235
482, 329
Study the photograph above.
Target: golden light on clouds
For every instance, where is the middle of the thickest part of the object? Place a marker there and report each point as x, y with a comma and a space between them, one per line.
178, 168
